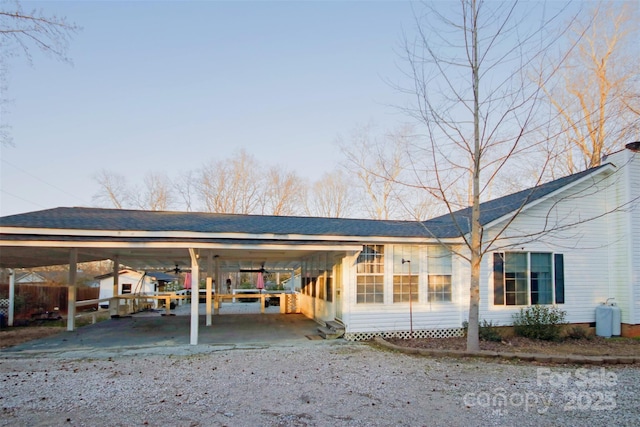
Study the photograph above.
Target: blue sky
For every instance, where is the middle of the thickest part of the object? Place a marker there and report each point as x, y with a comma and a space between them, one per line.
170, 85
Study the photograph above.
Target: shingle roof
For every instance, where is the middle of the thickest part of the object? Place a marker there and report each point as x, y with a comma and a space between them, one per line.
445, 226
116, 219
459, 223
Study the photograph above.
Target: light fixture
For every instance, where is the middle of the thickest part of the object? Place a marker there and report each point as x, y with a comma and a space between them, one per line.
633, 146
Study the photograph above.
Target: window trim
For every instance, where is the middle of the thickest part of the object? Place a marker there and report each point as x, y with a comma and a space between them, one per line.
402, 272
499, 279
377, 274
430, 274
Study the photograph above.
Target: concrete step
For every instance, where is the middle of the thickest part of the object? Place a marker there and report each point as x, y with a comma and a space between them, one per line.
329, 333
335, 325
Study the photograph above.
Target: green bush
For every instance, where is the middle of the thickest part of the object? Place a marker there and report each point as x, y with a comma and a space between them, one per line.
539, 322
488, 332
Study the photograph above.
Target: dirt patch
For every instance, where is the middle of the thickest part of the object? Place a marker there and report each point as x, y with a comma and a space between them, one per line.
18, 335
595, 346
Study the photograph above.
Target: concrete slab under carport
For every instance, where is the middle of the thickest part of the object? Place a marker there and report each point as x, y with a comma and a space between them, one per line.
153, 333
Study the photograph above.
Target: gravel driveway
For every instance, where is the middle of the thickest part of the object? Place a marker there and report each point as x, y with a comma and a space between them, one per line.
321, 383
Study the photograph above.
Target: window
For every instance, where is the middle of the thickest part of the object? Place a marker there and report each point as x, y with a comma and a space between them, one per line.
126, 288
522, 278
439, 273
321, 287
406, 275
370, 275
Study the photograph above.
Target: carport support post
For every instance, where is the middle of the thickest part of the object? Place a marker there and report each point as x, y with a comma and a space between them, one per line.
12, 296
208, 300
71, 300
114, 303
209, 286
195, 296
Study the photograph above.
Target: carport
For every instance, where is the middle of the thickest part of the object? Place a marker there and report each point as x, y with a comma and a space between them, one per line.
209, 244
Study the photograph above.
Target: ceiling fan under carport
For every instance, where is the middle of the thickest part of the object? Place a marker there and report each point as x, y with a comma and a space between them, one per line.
254, 270
177, 269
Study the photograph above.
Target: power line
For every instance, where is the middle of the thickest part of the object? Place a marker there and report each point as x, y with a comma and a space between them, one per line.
22, 198
44, 182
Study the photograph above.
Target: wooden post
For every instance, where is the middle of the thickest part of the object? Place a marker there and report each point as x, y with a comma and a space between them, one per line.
114, 303
195, 296
208, 299
71, 296
12, 296
209, 287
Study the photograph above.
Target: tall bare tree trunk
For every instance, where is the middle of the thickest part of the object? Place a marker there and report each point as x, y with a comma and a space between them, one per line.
473, 332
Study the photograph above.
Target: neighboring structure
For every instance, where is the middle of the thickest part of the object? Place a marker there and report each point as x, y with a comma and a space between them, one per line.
133, 282
30, 277
573, 242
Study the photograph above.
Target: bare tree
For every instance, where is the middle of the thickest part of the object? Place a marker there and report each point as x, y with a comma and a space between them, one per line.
113, 191
185, 187
21, 32
156, 193
597, 93
330, 196
283, 193
231, 186
468, 71
378, 163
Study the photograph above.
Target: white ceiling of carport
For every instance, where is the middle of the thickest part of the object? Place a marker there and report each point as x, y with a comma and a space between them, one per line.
163, 258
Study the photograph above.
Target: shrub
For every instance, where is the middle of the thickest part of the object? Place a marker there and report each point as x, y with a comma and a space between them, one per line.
486, 330
578, 333
539, 322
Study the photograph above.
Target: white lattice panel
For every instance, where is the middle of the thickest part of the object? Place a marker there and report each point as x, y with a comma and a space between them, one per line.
291, 303
4, 306
432, 333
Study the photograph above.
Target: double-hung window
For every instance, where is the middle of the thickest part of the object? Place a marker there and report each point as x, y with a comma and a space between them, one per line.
523, 278
370, 275
439, 273
406, 274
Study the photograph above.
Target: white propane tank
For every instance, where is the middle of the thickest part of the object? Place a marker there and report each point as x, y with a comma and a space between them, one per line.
604, 321
616, 320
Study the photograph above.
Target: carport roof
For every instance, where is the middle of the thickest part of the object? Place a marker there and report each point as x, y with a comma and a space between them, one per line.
162, 221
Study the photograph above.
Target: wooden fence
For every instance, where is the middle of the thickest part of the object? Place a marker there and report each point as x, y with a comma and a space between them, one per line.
32, 299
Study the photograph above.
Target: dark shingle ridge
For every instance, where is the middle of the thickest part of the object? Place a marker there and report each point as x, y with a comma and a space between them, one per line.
79, 218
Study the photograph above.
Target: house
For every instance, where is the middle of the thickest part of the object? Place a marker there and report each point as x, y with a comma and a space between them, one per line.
133, 282
30, 277
573, 242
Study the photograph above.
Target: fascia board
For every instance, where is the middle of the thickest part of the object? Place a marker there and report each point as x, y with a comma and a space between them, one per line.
175, 245
198, 235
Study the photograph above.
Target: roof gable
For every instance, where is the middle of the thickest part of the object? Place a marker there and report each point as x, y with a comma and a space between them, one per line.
459, 223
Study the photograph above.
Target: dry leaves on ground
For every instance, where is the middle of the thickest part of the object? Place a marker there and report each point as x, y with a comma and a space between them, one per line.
17, 335
595, 346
